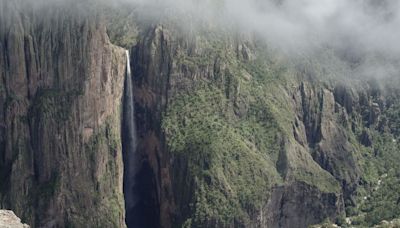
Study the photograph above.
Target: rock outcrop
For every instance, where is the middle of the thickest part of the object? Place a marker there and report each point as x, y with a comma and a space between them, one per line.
9, 220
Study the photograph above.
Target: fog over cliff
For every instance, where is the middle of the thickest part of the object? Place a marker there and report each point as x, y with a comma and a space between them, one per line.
200, 113
362, 32
370, 25
354, 28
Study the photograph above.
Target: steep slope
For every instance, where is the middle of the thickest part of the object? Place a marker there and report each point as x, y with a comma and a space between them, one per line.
60, 99
226, 139
249, 138
212, 128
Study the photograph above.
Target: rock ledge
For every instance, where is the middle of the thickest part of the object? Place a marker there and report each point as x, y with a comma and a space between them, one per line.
9, 220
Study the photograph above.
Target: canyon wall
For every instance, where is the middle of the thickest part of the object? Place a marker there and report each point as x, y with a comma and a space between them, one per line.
198, 128
60, 100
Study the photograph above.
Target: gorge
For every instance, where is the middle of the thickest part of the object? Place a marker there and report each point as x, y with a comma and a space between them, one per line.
111, 117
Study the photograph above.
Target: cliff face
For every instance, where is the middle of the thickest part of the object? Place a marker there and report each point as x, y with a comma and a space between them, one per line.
216, 129
222, 157
60, 99
249, 140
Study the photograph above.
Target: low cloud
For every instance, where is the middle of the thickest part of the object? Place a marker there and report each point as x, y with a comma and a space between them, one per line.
352, 27
362, 25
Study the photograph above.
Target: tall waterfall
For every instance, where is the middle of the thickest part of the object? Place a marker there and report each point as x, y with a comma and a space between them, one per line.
129, 141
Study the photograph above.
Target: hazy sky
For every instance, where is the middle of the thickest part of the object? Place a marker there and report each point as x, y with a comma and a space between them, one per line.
369, 25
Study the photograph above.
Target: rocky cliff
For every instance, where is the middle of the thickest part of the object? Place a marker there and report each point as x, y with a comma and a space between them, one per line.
251, 140
9, 220
60, 100
211, 129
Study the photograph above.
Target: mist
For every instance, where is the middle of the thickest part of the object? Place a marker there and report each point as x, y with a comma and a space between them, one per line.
353, 28
368, 25
363, 25
364, 33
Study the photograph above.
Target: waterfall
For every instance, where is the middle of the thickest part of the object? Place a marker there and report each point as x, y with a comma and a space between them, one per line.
129, 141
128, 67
139, 184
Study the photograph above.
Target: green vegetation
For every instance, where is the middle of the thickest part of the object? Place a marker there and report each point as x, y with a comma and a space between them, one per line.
121, 27
228, 158
378, 196
226, 132
393, 115
229, 129
107, 138
105, 142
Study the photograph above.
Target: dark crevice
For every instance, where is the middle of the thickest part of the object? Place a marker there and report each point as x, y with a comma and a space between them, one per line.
143, 213
141, 202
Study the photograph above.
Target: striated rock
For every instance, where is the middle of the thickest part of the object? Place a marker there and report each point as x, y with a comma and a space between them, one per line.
151, 69
365, 139
159, 79
328, 137
285, 211
375, 113
62, 79
9, 220
345, 97
225, 137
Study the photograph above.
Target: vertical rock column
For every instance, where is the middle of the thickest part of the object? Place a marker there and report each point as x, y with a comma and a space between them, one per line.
61, 87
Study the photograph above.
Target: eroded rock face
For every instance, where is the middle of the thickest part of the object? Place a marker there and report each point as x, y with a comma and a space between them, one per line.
61, 164
326, 124
318, 163
159, 77
9, 220
284, 209
151, 69
62, 83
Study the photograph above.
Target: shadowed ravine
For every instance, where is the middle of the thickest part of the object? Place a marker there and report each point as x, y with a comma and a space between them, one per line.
138, 185
131, 160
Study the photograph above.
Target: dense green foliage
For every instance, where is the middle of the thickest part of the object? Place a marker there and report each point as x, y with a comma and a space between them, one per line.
231, 159
229, 136
230, 130
379, 196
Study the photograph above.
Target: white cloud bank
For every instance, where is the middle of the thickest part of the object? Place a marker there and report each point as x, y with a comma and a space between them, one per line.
363, 25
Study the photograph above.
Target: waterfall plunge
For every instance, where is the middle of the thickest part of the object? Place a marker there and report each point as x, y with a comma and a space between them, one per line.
139, 184
131, 159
